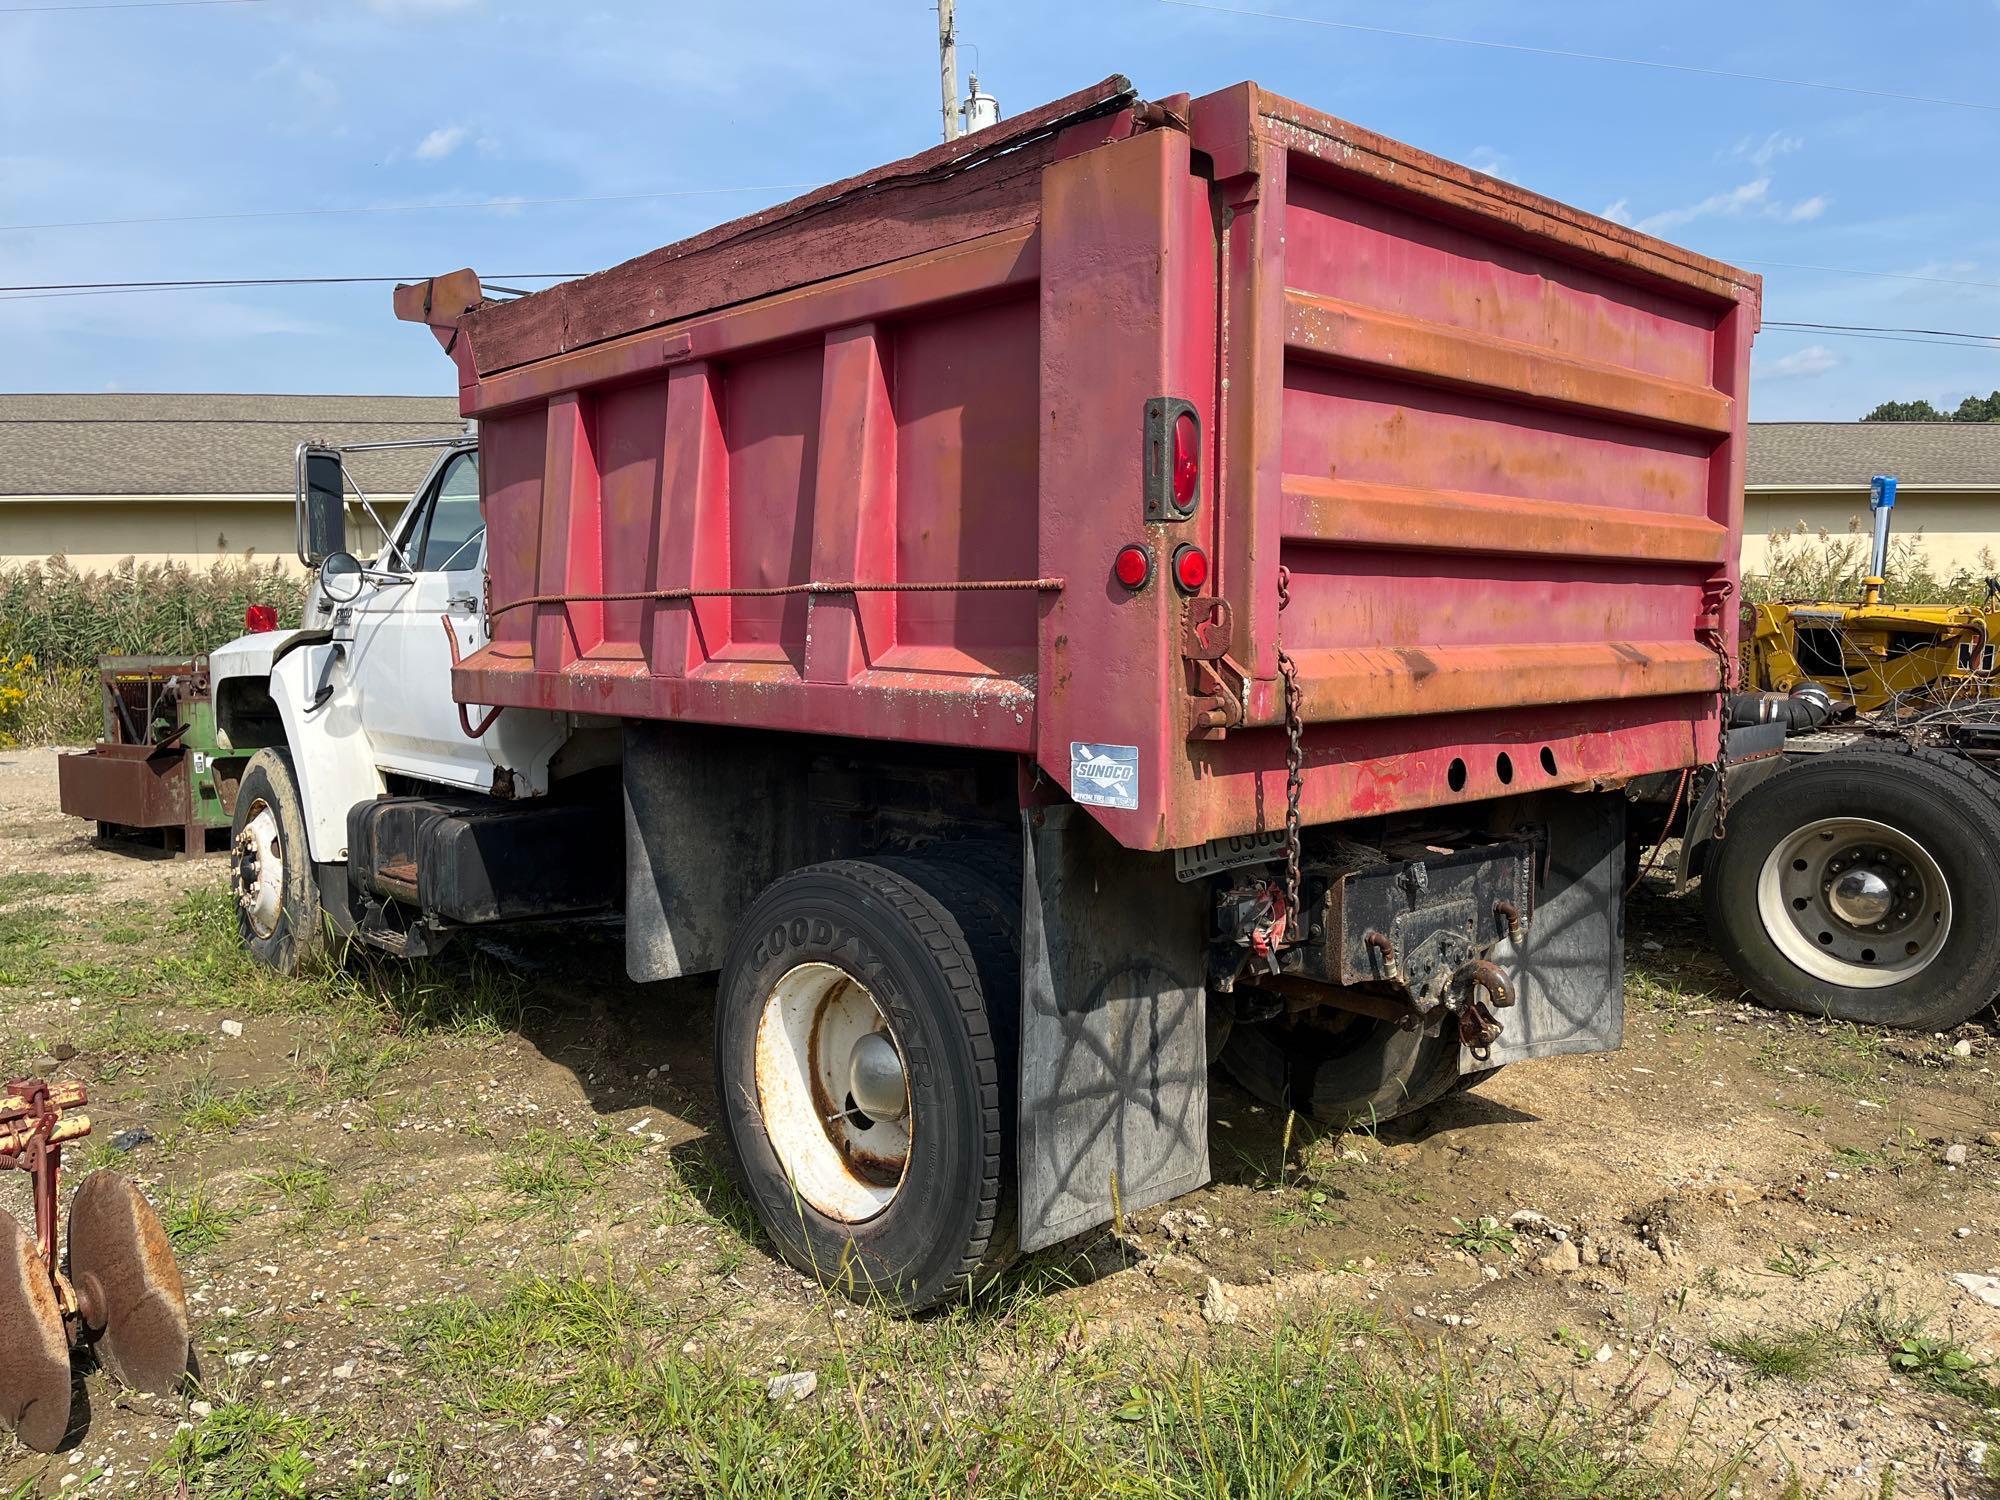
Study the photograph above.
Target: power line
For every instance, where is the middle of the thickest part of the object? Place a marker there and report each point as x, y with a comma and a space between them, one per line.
94, 286
1630, 62
408, 208
38, 293
1942, 333
1793, 265
29, 10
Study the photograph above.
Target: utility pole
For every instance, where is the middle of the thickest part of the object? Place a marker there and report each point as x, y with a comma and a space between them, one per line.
948, 67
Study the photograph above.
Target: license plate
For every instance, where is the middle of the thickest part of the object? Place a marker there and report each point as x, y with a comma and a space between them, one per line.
1226, 854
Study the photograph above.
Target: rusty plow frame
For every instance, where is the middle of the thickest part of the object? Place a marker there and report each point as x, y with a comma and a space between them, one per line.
118, 1294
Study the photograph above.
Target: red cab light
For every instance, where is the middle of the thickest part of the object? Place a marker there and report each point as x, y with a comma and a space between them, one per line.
258, 618
1133, 566
1187, 460
1190, 568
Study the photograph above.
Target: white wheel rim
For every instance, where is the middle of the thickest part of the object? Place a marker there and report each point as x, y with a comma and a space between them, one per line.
847, 1164
1819, 887
257, 870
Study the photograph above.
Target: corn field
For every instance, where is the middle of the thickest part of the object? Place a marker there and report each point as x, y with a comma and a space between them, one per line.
55, 622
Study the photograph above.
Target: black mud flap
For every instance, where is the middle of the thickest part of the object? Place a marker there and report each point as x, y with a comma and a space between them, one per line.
1114, 1066
1568, 972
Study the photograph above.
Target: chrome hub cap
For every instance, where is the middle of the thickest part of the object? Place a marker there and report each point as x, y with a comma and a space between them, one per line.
257, 870
833, 1091
1854, 902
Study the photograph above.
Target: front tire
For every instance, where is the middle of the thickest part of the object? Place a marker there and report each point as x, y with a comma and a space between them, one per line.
1863, 887
270, 868
864, 1067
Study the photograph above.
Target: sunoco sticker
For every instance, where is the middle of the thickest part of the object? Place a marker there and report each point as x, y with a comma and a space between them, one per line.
1104, 775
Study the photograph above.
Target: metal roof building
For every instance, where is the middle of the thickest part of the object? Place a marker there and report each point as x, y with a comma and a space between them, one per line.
187, 478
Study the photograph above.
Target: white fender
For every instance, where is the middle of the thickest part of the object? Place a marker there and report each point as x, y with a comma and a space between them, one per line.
330, 749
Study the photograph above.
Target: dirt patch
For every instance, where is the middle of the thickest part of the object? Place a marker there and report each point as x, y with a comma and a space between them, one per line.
416, 1209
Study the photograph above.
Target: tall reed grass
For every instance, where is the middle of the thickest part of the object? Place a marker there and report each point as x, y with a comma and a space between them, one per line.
55, 622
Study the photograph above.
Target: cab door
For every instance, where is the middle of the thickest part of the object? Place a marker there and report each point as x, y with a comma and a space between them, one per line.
400, 670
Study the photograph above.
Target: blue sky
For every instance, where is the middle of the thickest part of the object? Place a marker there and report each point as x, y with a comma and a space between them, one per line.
243, 109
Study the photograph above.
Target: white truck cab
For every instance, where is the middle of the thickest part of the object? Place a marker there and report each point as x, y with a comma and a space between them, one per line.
354, 710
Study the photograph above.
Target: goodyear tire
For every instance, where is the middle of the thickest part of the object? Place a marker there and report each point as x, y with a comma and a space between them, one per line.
1351, 1071
863, 1046
1863, 885
270, 868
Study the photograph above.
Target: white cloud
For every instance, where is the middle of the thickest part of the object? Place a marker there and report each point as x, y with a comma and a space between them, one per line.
1619, 212
1814, 359
441, 142
1762, 153
1749, 198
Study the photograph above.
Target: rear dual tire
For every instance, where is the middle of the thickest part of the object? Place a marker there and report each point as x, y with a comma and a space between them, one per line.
843, 977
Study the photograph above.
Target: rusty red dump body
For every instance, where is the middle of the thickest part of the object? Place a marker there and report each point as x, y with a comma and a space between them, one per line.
1495, 443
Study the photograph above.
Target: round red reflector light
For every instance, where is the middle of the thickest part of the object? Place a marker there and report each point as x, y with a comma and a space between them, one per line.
1133, 566
258, 618
1187, 460
1190, 568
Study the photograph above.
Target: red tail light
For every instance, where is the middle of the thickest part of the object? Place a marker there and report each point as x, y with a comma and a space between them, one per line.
258, 618
1190, 568
1133, 566
1187, 460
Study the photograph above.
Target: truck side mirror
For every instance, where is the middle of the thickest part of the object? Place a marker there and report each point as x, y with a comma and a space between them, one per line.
322, 505
341, 576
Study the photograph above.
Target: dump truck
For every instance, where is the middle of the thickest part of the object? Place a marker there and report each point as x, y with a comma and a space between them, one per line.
1146, 581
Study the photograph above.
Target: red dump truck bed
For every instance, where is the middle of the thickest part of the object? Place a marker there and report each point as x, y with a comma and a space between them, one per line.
1491, 447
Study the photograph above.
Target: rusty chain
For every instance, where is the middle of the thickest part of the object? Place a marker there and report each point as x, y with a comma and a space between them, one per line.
1716, 639
1294, 763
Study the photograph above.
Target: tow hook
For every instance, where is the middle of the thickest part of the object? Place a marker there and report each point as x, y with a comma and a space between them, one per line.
1485, 990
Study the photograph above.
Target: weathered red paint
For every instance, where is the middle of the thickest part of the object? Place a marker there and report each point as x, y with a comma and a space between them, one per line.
1496, 442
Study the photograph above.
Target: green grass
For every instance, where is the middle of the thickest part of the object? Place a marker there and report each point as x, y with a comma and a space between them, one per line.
195, 1220
1799, 1354
901, 1411
243, 1451
25, 883
25, 932
1800, 1262
551, 1171
207, 1108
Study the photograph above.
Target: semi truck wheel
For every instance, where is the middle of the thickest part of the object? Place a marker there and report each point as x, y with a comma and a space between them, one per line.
1863, 886
270, 867
864, 1062
1351, 1071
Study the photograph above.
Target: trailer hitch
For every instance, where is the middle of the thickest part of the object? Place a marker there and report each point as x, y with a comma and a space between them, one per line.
1482, 989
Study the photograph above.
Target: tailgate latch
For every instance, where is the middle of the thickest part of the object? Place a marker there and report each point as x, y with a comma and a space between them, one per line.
1217, 702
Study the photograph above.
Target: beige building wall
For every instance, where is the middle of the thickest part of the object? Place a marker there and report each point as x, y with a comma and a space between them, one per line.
97, 533
1960, 529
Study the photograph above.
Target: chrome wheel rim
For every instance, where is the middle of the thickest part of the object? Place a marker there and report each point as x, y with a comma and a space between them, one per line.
257, 870
833, 1092
1855, 902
